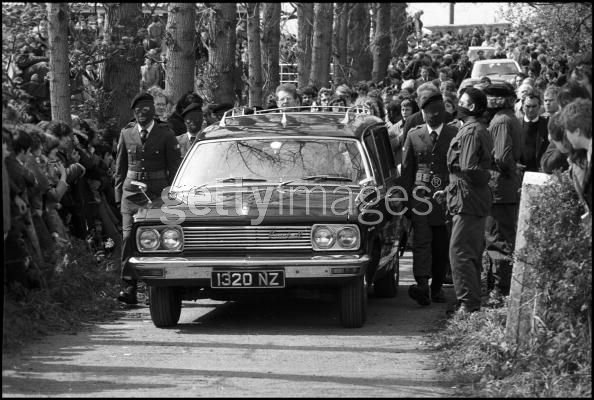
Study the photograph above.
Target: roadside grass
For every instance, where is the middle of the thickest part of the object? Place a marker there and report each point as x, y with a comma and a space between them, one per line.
77, 291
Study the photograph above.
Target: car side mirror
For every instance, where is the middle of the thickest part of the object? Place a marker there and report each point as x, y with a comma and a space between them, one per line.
143, 188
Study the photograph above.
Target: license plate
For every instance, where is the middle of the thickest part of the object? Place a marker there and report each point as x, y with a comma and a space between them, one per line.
247, 279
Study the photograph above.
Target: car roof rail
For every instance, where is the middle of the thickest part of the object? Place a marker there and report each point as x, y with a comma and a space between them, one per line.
359, 109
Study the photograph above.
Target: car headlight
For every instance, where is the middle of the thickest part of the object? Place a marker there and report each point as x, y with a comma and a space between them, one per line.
323, 237
335, 237
163, 238
148, 239
348, 237
171, 238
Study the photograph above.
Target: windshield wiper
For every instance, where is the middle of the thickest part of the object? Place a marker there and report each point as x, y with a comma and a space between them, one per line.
219, 180
318, 178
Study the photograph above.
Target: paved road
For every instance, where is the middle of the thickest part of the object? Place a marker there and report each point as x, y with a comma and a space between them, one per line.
289, 349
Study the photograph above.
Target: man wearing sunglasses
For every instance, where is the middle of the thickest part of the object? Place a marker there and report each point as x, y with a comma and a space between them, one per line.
149, 153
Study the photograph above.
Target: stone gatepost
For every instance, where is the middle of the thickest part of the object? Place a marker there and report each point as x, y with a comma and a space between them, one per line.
523, 303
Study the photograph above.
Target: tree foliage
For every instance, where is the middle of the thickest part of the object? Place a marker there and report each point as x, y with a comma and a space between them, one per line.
566, 24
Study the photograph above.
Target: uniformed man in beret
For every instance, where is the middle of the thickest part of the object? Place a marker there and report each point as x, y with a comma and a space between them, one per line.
147, 152
468, 197
424, 171
193, 117
505, 183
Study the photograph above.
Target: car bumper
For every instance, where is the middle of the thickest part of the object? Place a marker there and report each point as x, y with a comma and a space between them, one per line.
314, 267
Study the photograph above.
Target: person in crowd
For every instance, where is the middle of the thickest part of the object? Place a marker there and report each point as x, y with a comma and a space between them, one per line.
147, 152
163, 104
468, 198
308, 96
149, 74
73, 205
550, 101
444, 76
407, 107
534, 133
194, 117
555, 156
344, 92
450, 100
423, 76
156, 30
286, 97
424, 171
500, 233
576, 118
176, 121
324, 97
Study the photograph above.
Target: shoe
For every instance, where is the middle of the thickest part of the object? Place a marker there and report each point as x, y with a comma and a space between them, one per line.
460, 308
420, 294
494, 300
438, 297
128, 296
448, 280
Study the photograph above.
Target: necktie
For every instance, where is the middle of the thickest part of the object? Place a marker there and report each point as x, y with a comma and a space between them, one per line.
143, 135
433, 135
192, 138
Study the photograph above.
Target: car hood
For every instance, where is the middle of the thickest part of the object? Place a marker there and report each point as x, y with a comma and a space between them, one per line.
268, 204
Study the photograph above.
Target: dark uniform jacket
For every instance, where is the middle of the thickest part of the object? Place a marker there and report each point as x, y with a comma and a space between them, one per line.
154, 163
469, 160
505, 130
424, 165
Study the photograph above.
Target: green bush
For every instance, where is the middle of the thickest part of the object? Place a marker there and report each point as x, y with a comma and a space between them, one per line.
78, 290
561, 252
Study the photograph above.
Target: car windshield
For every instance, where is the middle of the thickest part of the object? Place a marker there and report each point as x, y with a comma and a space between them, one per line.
495, 68
272, 161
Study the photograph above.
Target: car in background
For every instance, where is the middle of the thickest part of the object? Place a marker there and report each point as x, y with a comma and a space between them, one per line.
276, 202
496, 69
473, 52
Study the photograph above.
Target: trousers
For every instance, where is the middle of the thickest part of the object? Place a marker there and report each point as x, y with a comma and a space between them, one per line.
500, 238
466, 247
129, 275
430, 251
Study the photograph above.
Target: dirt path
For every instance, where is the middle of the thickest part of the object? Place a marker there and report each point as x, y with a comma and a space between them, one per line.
289, 349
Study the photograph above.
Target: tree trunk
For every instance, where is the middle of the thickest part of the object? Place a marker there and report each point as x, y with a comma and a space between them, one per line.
359, 57
121, 70
339, 45
270, 47
57, 15
254, 55
398, 32
181, 61
322, 45
221, 53
381, 46
305, 22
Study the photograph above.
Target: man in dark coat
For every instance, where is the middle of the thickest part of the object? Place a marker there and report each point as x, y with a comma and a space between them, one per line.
147, 152
424, 171
505, 184
534, 133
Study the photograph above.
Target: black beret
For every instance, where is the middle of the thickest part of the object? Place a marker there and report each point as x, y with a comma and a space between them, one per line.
500, 89
428, 96
192, 107
141, 97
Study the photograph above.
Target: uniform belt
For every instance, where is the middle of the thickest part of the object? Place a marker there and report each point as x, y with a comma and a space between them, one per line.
422, 177
146, 175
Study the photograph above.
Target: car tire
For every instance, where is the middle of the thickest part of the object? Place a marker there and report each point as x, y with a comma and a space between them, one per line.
387, 286
165, 306
353, 303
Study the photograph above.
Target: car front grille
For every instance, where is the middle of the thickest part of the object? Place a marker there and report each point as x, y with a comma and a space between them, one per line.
247, 237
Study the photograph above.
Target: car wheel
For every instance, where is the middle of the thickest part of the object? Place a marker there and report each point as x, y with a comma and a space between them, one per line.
353, 303
388, 285
165, 306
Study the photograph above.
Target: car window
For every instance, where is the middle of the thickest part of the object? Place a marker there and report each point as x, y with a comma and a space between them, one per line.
386, 158
494, 68
369, 141
274, 160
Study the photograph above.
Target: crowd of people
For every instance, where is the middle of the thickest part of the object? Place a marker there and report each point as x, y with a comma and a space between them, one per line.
467, 146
